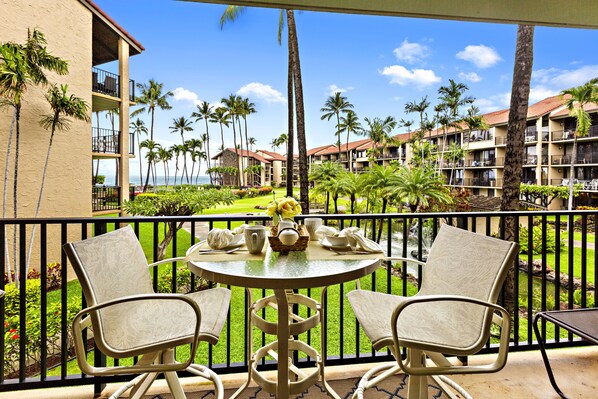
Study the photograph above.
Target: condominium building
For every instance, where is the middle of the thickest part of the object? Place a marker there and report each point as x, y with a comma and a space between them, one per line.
271, 170
546, 160
79, 32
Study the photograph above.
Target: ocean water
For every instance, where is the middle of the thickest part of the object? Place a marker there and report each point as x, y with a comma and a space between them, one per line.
134, 179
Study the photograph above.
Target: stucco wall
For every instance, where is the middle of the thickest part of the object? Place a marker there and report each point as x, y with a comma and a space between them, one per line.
67, 25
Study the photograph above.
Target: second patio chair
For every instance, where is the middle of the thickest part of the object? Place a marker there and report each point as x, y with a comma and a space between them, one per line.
129, 320
450, 315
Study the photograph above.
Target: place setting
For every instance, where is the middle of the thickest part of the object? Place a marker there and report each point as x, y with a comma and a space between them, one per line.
224, 244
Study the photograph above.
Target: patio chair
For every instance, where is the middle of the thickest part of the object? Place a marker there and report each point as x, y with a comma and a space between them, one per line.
128, 319
451, 315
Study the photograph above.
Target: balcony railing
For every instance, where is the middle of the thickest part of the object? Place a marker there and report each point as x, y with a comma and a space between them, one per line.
481, 182
107, 141
484, 163
401, 235
105, 198
532, 160
498, 141
108, 83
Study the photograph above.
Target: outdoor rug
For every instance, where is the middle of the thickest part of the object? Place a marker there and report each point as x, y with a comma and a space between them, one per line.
392, 388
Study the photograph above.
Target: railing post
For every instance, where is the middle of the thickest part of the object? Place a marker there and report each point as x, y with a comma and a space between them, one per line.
99, 359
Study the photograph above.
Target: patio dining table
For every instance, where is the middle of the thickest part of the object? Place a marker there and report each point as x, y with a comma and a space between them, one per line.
284, 273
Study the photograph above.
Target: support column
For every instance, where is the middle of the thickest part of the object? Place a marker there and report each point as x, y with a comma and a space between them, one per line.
123, 72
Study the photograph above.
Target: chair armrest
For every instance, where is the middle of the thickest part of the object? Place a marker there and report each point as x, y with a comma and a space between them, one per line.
503, 321
170, 260
400, 258
79, 323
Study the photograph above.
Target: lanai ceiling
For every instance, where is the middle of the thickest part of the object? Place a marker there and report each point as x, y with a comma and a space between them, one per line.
564, 13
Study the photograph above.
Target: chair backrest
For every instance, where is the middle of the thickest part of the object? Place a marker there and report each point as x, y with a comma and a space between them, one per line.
460, 263
468, 264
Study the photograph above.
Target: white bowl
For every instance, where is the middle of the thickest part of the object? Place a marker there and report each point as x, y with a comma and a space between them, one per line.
337, 241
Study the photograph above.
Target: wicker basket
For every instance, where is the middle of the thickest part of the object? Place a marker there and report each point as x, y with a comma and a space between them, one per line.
299, 245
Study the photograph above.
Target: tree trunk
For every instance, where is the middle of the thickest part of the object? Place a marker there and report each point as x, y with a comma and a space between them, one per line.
5, 199
290, 121
522, 71
242, 171
303, 179
572, 174
15, 189
140, 158
209, 160
170, 230
236, 150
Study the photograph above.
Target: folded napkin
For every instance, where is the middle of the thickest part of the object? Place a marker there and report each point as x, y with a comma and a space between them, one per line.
355, 236
222, 238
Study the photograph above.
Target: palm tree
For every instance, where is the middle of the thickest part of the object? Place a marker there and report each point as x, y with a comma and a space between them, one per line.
22, 65
252, 141
452, 97
193, 146
322, 173
333, 106
578, 97
379, 182
231, 104
378, 130
349, 123
199, 155
164, 155
420, 108
205, 112
455, 153
352, 187
522, 73
418, 186
63, 107
138, 127
151, 146
181, 125
152, 97
176, 152
221, 117
294, 86
247, 108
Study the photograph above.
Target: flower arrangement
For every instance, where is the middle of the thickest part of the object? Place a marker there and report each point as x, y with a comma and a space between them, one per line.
284, 208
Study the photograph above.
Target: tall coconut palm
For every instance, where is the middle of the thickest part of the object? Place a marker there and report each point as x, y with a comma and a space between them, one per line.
164, 155
324, 172
352, 187
151, 98
22, 65
379, 181
350, 124
193, 146
176, 153
453, 96
221, 117
577, 98
246, 108
181, 125
152, 152
522, 72
231, 105
294, 87
378, 130
420, 108
252, 141
138, 127
63, 107
455, 153
333, 106
205, 112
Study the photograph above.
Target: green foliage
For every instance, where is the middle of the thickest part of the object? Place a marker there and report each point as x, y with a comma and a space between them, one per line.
99, 179
33, 344
183, 281
184, 202
537, 247
546, 194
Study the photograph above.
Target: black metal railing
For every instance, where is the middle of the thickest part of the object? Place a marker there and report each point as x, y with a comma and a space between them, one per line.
554, 252
105, 141
482, 182
105, 198
131, 143
108, 83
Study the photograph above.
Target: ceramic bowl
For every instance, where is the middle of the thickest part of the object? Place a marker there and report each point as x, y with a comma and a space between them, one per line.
337, 241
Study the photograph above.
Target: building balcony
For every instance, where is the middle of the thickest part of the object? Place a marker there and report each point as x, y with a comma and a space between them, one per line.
39, 366
500, 141
481, 182
484, 163
107, 141
532, 160
105, 198
108, 83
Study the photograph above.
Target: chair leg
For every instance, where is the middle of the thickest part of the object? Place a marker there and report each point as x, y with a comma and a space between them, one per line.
417, 387
141, 388
374, 377
174, 384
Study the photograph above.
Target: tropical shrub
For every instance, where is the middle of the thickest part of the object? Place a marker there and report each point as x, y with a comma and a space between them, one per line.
183, 281
537, 247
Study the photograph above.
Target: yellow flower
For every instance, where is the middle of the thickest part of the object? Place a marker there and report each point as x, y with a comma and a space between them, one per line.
285, 208
272, 209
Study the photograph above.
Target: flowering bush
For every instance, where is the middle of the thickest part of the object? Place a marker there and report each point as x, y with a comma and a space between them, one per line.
284, 208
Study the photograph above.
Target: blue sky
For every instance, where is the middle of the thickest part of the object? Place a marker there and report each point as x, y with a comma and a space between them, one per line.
379, 63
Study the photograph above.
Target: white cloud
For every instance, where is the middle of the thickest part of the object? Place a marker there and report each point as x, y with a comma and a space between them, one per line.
411, 52
493, 103
182, 94
263, 92
470, 76
335, 89
539, 93
417, 77
559, 79
481, 56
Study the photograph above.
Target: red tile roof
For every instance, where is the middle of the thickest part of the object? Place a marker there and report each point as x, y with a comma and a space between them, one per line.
565, 112
543, 107
273, 155
313, 151
243, 153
